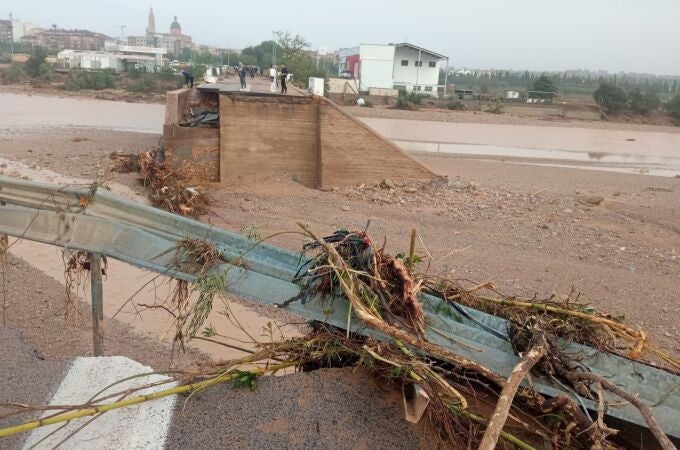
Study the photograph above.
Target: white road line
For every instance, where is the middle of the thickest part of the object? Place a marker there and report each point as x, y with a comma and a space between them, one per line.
143, 426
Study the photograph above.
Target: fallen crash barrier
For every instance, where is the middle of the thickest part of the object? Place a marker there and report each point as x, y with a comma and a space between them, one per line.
89, 218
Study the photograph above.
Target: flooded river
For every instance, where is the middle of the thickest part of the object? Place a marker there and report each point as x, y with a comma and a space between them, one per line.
21, 112
647, 152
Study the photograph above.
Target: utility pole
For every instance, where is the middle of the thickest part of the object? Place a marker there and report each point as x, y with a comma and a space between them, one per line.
420, 61
273, 47
446, 76
11, 40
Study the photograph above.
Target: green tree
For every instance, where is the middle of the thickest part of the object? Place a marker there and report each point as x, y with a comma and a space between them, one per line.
292, 46
32, 66
545, 85
673, 106
643, 102
610, 97
293, 52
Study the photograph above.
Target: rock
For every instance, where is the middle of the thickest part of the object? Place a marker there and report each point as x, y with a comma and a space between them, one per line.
345, 208
3, 166
388, 184
622, 249
593, 200
677, 176
335, 189
410, 190
567, 211
472, 185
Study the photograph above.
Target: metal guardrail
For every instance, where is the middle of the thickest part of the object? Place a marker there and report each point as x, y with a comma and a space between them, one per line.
96, 221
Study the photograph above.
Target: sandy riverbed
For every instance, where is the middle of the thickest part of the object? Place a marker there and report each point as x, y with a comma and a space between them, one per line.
524, 226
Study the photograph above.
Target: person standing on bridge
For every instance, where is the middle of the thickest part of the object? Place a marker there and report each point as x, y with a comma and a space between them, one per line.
241, 71
188, 77
272, 78
284, 76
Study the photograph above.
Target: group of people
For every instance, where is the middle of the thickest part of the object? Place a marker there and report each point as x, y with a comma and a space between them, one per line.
274, 78
244, 72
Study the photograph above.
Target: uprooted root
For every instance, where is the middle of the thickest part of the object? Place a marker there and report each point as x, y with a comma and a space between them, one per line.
197, 257
560, 319
347, 263
76, 273
169, 189
125, 163
383, 281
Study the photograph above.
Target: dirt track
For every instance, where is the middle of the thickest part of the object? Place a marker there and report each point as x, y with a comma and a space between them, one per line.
527, 228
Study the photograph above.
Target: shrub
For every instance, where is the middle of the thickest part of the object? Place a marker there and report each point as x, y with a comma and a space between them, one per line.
673, 106
643, 102
134, 73
496, 109
610, 97
78, 79
408, 100
46, 71
456, 105
167, 74
12, 74
36, 60
144, 85
403, 103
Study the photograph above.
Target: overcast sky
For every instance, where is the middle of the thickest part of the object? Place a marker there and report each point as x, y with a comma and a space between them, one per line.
613, 35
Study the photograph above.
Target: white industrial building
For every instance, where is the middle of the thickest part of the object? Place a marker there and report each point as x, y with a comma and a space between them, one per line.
119, 58
93, 60
393, 66
158, 53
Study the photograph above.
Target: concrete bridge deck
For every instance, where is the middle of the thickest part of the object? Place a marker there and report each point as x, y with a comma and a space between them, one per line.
257, 85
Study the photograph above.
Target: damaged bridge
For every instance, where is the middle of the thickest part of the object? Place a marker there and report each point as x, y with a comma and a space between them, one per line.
254, 135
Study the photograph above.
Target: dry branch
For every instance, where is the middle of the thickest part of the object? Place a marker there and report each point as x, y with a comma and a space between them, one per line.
644, 409
500, 414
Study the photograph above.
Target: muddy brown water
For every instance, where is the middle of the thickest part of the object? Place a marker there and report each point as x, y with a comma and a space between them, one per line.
653, 153
21, 112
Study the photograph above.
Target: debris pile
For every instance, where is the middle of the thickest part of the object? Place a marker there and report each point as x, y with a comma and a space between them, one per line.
383, 293
202, 118
466, 404
169, 189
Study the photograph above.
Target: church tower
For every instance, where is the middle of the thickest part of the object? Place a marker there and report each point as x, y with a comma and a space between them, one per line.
151, 26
